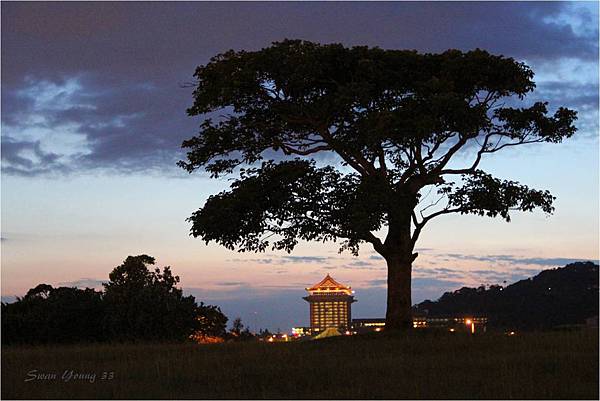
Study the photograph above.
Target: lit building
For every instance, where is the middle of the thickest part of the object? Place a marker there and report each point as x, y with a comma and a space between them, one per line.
453, 323
330, 305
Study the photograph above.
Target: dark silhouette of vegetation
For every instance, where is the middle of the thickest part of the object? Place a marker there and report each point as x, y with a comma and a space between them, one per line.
146, 305
54, 315
400, 123
240, 333
211, 321
264, 334
562, 296
136, 305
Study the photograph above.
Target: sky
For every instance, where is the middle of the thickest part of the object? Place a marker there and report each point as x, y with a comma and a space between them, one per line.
93, 115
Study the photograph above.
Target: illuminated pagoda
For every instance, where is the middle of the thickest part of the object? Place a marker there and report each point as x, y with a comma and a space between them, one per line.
330, 304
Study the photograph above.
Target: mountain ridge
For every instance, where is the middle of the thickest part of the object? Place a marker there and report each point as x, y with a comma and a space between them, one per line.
555, 297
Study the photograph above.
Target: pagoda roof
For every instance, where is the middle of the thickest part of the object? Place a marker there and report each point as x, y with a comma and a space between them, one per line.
328, 283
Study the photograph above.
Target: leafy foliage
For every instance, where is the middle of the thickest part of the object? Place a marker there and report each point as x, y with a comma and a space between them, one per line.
395, 119
146, 305
211, 321
293, 200
54, 315
483, 194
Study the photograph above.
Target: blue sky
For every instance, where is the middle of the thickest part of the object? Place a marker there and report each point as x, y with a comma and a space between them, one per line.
93, 115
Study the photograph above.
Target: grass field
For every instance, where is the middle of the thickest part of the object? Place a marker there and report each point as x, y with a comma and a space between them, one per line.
415, 366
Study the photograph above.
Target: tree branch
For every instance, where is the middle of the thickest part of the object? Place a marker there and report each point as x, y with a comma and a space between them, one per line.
358, 163
426, 219
475, 163
288, 150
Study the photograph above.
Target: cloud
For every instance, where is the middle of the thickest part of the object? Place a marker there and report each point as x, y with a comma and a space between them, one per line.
84, 283
261, 261
231, 283
97, 86
441, 272
9, 298
422, 288
521, 270
420, 283
362, 267
360, 263
284, 259
305, 259
82, 123
512, 259
569, 82
557, 262
27, 158
434, 283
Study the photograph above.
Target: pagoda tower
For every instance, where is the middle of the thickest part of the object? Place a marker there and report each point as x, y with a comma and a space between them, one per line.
330, 304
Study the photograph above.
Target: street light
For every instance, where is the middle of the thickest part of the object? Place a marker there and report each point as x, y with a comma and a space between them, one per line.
469, 322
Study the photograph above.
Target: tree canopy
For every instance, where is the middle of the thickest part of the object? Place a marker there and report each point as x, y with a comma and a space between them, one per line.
54, 315
146, 305
395, 118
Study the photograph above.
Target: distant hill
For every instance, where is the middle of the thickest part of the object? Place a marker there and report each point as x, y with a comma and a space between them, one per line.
555, 297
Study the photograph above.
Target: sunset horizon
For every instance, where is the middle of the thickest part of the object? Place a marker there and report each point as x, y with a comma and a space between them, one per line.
107, 186
184, 183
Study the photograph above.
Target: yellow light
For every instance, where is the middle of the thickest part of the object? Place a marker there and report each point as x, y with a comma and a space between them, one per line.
378, 329
347, 333
452, 330
468, 321
271, 339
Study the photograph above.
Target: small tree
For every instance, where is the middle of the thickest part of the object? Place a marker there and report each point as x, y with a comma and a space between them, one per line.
211, 321
399, 124
239, 332
237, 326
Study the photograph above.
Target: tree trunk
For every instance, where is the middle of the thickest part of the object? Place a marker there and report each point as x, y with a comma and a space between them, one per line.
399, 304
398, 253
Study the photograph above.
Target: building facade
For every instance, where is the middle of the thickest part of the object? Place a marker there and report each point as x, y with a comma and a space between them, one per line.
452, 323
330, 305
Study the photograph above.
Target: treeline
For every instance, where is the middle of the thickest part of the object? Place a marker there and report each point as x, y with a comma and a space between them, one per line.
553, 298
136, 304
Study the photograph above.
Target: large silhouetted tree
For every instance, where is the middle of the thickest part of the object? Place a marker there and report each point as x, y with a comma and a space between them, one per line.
144, 304
399, 124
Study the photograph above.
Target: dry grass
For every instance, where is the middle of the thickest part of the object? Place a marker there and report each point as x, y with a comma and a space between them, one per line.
419, 366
